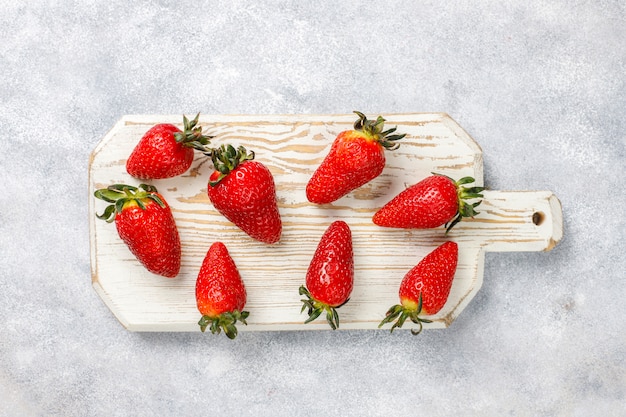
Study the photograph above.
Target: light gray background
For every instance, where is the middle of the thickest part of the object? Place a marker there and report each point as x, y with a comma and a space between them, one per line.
540, 85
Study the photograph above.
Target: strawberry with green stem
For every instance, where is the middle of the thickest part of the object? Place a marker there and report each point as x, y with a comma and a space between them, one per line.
330, 277
434, 201
165, 151
356, 157
243, 191
220, 292
144, 221
424, 290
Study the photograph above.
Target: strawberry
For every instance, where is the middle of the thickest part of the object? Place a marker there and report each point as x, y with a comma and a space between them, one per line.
356, 157
425, 288
145, 223
432, 202
243, 191
165, 151
330, 277
220, 292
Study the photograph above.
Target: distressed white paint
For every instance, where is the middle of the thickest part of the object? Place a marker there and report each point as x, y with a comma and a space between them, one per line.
292, 146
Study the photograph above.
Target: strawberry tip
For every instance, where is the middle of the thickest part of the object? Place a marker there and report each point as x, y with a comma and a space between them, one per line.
192, 135
119, 195
374, 129
225, 321
226, 158
400, 314
466, 209
316, 308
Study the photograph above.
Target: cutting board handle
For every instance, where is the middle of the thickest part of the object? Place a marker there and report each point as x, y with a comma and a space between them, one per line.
517, 221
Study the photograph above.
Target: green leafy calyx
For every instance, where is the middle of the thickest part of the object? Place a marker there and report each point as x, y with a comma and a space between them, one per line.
315, 309
466, 208
401, 313
192, 135
226, 158
374, 130
121, 195
225, 321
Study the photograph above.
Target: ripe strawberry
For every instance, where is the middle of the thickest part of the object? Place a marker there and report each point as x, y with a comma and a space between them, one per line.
432, 202
330, 277
425, 288
243, 191
220, 292
356, 157
165, 151
145, 223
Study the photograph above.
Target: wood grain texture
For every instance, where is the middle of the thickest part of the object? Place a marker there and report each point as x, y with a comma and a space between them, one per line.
292, 146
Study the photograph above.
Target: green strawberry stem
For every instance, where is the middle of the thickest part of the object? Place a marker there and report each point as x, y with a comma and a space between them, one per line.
402, 313
374, 129
225, 321
226, 158
466, 209
192, 136
316, 308
119, 195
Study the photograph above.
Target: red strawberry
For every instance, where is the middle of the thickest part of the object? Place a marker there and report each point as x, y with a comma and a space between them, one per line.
425, 288
243, 191
432, 202
220, 292
330, 277
145, 223
356, 157
165, 151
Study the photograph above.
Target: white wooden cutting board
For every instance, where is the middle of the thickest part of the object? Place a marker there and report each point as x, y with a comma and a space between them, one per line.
292, 146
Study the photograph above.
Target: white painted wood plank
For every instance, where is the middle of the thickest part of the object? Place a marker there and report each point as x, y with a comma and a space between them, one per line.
292, 146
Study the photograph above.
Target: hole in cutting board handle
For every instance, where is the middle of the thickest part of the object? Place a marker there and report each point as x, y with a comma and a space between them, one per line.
538, 218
